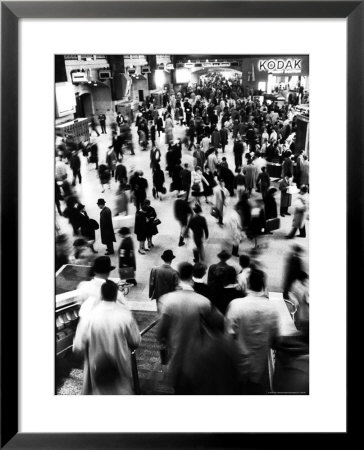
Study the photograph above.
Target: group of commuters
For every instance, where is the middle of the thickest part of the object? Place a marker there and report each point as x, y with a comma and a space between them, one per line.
215, 332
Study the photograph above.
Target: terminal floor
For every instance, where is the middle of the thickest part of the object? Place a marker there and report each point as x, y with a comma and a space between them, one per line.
273, 248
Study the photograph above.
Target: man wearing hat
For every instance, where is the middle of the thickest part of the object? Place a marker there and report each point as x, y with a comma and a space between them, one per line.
106, 227
217, 271
163, 279
89, 292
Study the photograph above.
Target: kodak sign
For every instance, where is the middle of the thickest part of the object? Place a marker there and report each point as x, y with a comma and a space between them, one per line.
280, 65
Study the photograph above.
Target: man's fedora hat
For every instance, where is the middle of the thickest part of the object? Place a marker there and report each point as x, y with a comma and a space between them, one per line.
102, 264
167, 255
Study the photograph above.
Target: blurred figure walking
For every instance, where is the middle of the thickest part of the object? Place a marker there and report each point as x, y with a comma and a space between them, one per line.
105, 337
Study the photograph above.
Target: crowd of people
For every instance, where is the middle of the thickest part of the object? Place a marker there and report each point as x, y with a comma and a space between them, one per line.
216, 324
215, 331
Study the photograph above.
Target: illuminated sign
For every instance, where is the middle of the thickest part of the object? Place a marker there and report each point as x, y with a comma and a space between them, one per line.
280, 65
78, 77
216, 64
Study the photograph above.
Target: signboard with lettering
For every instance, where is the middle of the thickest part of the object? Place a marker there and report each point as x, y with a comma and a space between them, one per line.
289, 65
216, 64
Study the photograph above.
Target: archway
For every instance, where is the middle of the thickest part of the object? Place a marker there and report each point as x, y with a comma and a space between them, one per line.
213, 72
84, 106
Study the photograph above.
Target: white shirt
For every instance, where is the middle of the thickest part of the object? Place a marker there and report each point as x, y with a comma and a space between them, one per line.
205, 143
89, 295
243, 279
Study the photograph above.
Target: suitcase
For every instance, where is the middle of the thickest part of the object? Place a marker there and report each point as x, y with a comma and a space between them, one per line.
273, 224
123, 221
126, 273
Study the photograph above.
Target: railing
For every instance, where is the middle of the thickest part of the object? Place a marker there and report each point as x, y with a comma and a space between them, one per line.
134, 365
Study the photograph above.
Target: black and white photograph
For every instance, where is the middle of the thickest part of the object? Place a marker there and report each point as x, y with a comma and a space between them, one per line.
182, 188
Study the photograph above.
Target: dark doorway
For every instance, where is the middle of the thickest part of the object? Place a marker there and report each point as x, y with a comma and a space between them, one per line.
141, 95
84, 105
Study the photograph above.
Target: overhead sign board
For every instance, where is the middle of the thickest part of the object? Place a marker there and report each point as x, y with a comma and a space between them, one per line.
216, 64
77, 77
289, 65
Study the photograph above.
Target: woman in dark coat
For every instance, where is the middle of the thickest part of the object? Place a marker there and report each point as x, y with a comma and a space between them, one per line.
151, 228
270, 205
104, 175
126, 254
158, 181
140, 185
94, 154
140, 229
88, 227
72, 214
229, 179
208, 188
159, 126
176, 178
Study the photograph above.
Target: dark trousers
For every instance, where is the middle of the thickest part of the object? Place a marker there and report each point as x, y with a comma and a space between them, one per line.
293, 232
223, 147
238, 160
284, 210
235, 251
139, 199
198, 251
110, 247
95, 130
76, 174
187, 192
103, 127
220, 216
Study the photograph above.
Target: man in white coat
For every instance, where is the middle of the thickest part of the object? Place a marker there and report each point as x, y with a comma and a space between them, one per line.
105, 337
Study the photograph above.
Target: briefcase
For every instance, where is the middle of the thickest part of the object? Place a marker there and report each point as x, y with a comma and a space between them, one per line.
126, 272
215, 212
273, 224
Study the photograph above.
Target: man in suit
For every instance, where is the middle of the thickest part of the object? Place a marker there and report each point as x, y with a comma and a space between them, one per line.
252, 323
217, 271
102, 120
179, 327
199, 228
163, 279
106, 227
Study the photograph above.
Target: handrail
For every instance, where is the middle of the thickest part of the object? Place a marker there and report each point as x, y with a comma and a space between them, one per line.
134, 366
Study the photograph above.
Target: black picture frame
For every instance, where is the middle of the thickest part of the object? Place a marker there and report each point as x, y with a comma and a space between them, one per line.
11, 13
